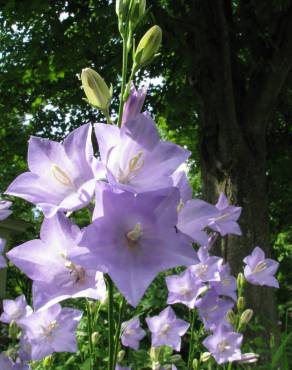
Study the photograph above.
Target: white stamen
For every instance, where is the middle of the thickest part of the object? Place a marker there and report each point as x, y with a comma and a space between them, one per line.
134, 166
61, 176
134, 235
261, 266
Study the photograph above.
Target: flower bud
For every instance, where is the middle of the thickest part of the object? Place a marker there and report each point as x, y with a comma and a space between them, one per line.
205, 356
121, 355
245, 317
154, 353
48, 361
230, 316
121, 7
175, 358
137, 10
95, 336
97, 92
13, 330
148, 46
195, 364
240, 281
248, 358
240, 303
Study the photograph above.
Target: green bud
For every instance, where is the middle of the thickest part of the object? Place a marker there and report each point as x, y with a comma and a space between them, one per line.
154, 353
47, 361
97, 92
240, 281
121, 6
121, 355
95, 336
195, 364
92, 307
246, 317
148, 46
13, 330
230, 316
175, 358
240, 303
137, 10
205, 356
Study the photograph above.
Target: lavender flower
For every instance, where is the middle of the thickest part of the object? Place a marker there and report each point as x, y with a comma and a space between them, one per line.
15, 310
166, 329
62, 176
140, 242
119, 367
224, 345
51, 330
260, 270
134, 104
213, 309
208, 268
47, 262
4, 209
135, 158
180, 181
225, 220
2, 259
132, 333
7, 364
227, 284
184, 288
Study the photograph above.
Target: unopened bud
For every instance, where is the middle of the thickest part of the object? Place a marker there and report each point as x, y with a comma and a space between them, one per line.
205, 356
230, 316
154, 353
240, 303
13, 330
148, 46
137, 11
95, 336
97, 92
245, 317
195, 364
175, 358
92, 307
248, 358
240, 281
47, 361
121, 7
121, 355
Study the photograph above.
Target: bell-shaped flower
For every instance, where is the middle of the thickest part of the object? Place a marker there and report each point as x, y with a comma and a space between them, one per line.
15, 310
224, 345
213, 309
51, 330
47, 262
208, 268
260, 270
226, 286
135, 158
225, 222
2, 258
6, 363
166, 329
62, 175
132, 333
134, 104
4, 209
133, 237
184, 288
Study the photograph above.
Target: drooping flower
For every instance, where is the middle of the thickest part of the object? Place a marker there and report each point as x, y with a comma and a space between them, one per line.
166, 329
134, 104
135, 158
208, 268
260, 270
6, 363
213, 309
225, 222
62, 175
184, 288
134, 238
227, 284
132, 333
224, 345
4, 209
2, 259
51, 330
15, 310
47, 262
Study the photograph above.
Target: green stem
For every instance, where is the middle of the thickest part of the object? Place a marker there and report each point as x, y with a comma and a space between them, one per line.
118, 329
124, 76
110, 323
229, 366
107, 116
89, 331
191, 347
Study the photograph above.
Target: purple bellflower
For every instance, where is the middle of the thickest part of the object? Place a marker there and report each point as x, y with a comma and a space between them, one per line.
226, 286
181, 181
47, 262
135, 239
184, 288
7, 364
132, 333
224, 345
260, 270
15, 310
51, 330
225, 220
213, 309
135, 158
62, 175
119, 367
2, 259
134, 104
208, 268
4, 209
166, 329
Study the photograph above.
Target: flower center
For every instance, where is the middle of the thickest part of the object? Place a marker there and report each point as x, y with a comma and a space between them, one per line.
223, 346
61, 176
77, 273
226, 282
134, 235
134, 166
129, 332
50, 328
261, 266
201, 270
165, 328
220, 218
